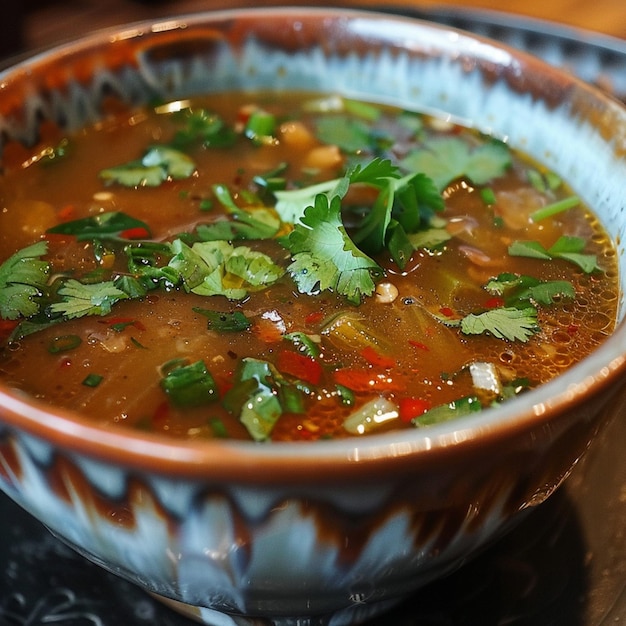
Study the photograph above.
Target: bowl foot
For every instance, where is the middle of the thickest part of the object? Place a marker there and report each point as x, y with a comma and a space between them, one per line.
345, 617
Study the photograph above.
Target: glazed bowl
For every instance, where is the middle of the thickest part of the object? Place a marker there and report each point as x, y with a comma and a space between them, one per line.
330, 532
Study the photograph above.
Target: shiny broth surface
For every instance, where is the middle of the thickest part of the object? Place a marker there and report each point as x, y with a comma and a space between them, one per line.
290, 268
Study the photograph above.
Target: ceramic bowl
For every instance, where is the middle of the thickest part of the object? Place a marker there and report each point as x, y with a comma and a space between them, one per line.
332, 532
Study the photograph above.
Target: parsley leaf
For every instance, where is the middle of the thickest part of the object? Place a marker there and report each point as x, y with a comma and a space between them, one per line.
23, 277
80, 299
324, 256
566, 247
448, 158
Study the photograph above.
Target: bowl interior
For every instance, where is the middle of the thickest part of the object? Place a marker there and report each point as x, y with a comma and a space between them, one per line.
569, 126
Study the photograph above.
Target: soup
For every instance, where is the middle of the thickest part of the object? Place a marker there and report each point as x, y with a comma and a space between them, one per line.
291, 268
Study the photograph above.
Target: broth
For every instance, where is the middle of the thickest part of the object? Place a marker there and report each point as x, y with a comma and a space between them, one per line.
291, 268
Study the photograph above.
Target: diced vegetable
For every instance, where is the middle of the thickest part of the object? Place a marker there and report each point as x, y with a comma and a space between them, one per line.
371, 416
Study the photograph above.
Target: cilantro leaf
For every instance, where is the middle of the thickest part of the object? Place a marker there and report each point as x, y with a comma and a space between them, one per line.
448, 158
219, 268
291, 203
349, 134
566, 247
80, 299
23, 277
519, 289
504, 323
113, 226
200, 125
256, 223
324, 256
157, 165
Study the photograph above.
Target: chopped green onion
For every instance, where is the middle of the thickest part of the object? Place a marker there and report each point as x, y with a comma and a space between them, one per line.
63, 343
487, 195
218, 428
445, 412
190, 385
346, 395
260, 127
536, 180
93, 380
304, 343
555, 208
363, 110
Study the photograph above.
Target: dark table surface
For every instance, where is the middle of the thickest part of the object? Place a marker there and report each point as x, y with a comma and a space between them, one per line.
565, 565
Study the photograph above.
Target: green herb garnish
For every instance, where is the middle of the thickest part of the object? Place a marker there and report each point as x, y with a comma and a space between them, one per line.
23, 279
566, 247
446, 159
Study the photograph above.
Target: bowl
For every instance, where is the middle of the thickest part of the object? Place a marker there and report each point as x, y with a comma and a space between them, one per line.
330, 532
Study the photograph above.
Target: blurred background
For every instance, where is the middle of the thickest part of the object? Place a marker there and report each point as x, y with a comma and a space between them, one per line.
32, 24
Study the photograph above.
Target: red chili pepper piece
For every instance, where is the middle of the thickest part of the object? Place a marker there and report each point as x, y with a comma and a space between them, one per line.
495, 303
301, 366
314, 318
139, 232
418, 344
447, 311
375, 358
412, 407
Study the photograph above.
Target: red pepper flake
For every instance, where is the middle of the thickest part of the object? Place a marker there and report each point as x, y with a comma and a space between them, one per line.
446, 311
572, 329
300, 366
67, 213
138, 232
65, 362
314, 318
224, 383
375, 358
409, 408
495, 303
363, 380
419, 345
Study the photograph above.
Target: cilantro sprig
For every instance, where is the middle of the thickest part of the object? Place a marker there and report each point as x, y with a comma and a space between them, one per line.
326, 256
23, 278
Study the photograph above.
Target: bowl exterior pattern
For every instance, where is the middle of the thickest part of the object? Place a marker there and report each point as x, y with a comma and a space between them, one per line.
319, 542
336, 551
